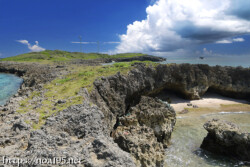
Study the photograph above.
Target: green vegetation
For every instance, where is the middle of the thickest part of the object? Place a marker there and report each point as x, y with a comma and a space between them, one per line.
64, 56
67, 88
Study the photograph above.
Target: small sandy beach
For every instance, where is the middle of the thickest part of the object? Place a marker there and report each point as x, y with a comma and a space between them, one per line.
210, 101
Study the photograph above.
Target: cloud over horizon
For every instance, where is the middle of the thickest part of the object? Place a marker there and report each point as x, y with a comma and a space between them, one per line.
111, 42
228, 41
33, 48
174, 25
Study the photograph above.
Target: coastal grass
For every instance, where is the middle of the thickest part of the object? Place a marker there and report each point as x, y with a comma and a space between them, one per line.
52, 56
68, 88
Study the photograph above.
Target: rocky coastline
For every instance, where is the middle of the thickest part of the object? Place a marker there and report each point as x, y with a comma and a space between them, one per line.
116, 119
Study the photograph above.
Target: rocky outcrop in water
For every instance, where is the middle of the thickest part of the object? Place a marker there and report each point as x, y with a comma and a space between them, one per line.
226, 138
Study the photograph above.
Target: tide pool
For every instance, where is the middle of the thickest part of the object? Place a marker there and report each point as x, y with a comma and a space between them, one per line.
9, 85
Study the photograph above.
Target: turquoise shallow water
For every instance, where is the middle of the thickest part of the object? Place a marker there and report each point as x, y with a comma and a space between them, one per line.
9, 85
189, 134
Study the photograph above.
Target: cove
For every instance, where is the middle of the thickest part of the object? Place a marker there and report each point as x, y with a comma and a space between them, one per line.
9, 85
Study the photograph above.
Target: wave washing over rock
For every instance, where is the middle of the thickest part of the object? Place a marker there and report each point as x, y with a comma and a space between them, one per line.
115, 122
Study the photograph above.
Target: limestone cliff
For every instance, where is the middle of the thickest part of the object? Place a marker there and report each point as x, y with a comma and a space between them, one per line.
117, 94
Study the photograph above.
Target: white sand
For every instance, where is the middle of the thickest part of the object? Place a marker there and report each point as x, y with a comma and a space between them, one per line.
209, 100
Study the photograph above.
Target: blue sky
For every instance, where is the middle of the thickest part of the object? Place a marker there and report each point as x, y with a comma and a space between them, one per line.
55, 23
163, 27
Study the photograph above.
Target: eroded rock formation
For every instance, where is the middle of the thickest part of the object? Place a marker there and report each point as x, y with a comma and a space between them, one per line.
145, 131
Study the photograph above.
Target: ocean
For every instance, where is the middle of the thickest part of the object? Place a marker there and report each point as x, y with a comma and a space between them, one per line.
9, 85
212, 61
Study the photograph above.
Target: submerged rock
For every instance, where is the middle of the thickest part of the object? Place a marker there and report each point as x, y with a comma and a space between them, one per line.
225, 138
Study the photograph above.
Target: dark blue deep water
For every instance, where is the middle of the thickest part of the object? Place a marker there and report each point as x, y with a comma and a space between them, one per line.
9, 85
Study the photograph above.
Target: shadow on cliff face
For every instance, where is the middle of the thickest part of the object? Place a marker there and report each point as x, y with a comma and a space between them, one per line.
175, 97
229, 93
167, 93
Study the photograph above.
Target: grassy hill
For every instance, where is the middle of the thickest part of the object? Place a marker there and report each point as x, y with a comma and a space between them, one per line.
58, 55
67, 87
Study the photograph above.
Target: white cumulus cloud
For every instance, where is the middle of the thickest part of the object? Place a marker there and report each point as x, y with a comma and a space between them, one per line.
238, 40
228, 41
111, 42
33, 48
85, 42
173, 25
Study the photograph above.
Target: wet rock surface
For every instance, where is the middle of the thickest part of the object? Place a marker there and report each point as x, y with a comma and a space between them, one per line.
225, 138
